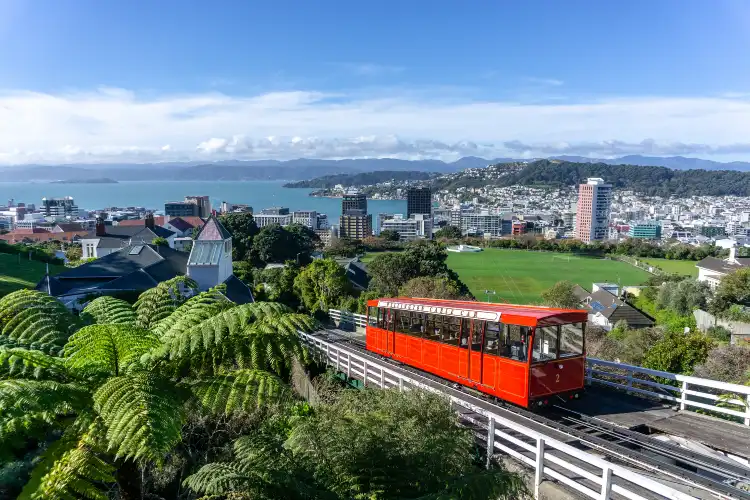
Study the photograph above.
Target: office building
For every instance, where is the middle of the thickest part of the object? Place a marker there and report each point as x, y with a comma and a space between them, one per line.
712, 231
481, 223
355, 226
353, 201
382, 217
59, 207
308, 218
227, 207
203, 203
418, 201
275, 211
645, 230
416, 227
592, 217
264, 219
181, 209
323, 221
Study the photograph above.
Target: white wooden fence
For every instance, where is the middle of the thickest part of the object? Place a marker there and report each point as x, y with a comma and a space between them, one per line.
691, 393
590, 475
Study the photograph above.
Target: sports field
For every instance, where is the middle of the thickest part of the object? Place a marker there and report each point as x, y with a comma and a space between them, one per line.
520, 276
686, 267
18, 273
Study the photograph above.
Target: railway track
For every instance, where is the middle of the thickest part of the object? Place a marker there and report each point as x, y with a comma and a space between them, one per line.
633, 449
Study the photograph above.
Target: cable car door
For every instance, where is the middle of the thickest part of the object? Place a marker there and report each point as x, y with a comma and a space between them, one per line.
390, 336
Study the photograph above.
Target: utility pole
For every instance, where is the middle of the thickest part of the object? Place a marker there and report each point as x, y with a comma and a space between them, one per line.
488, 293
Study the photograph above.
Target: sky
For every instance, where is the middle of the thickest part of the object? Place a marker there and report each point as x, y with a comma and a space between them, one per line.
118, 81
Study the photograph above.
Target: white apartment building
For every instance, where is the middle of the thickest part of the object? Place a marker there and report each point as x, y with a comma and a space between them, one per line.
416, 227
307, 218
263, 220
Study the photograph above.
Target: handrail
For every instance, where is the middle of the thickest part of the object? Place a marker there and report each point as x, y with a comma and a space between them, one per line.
606, 477
640, 381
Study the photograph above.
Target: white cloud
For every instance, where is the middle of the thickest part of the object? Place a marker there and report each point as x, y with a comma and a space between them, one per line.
120, 125
552, 82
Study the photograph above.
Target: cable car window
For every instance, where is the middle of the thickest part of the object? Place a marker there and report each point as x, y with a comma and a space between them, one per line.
372, 316
516, 340
383, 318
434, 327
403, 322
451, 330
417, 324
545, 343
493, 338
571, 340
465, 333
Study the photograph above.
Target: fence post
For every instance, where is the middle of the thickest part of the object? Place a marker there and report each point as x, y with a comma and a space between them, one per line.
348, 366
630, 381
364, 378
338, 359
539, 474
606, 484
490, 440
400, 384
683, 395
382, 378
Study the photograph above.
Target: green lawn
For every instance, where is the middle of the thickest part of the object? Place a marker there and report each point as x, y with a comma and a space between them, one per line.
15, 274
519, 276
686, 267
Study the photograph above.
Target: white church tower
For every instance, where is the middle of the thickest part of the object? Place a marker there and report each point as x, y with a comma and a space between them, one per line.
210, 261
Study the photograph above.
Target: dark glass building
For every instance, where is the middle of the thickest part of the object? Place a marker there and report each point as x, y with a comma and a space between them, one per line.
418, 201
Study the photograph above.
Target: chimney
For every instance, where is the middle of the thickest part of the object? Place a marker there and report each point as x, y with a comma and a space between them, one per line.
150, 220
101, 229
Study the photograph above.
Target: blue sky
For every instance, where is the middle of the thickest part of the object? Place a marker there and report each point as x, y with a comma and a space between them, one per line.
139, 80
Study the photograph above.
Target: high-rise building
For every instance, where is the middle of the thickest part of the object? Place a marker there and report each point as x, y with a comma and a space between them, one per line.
203, 203
592, 217
181, 209
307, 218
416, 227
59, 207
355, 226
418, 201
353, 200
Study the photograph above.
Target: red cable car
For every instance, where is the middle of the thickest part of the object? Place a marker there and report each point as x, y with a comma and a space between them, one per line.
522, 354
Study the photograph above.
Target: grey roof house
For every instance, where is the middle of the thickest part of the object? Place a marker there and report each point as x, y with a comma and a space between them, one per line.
105, 240
606, 309
138, 267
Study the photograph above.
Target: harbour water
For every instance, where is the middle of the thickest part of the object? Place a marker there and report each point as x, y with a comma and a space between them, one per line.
153, 194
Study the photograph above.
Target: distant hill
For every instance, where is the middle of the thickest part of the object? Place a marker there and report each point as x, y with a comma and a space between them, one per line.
300, 169
647, 180
362, 179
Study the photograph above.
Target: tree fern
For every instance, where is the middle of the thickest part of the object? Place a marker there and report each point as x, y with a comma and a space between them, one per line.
107, 349
157, 303
143, 415
23, 363
261, 336
77, 470
31, 318
108, 310
238, 391
197, 309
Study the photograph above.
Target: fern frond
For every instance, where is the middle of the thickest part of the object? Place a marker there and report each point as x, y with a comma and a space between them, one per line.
143, 415
157, 303
108, 310
197, 309
24, 363
28, 317
107, 349
239, 391
78, 472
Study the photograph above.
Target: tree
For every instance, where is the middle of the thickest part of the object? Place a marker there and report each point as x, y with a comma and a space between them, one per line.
431, 287
322, 285
362, 444
278, 244
678, 352
160, 242
684, 296
390, 271
561, 295
726, 363
243, 229
390, 235
449, 233
108, 400
73, 252
734, 288
344, 247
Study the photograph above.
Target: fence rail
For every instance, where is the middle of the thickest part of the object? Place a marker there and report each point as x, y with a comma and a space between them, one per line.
592, 476
691, 393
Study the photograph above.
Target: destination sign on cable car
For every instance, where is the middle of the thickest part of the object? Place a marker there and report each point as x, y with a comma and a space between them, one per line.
448, 311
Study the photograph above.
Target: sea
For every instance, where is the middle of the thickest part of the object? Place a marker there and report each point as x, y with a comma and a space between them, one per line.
153, 194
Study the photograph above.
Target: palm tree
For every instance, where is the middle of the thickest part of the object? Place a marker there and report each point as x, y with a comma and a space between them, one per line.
109, 398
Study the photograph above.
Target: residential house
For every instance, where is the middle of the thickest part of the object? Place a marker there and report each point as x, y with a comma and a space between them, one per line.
140, 266
67, 227
606, 309
105, 240
712, 269
356, 273
39, 235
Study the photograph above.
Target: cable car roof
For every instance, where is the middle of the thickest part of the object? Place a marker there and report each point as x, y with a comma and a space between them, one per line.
507, 313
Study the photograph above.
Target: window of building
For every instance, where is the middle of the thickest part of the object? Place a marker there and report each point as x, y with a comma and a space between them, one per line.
545, 343
572, 340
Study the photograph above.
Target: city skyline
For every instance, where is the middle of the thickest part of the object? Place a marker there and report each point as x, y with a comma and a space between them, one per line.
139, 82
